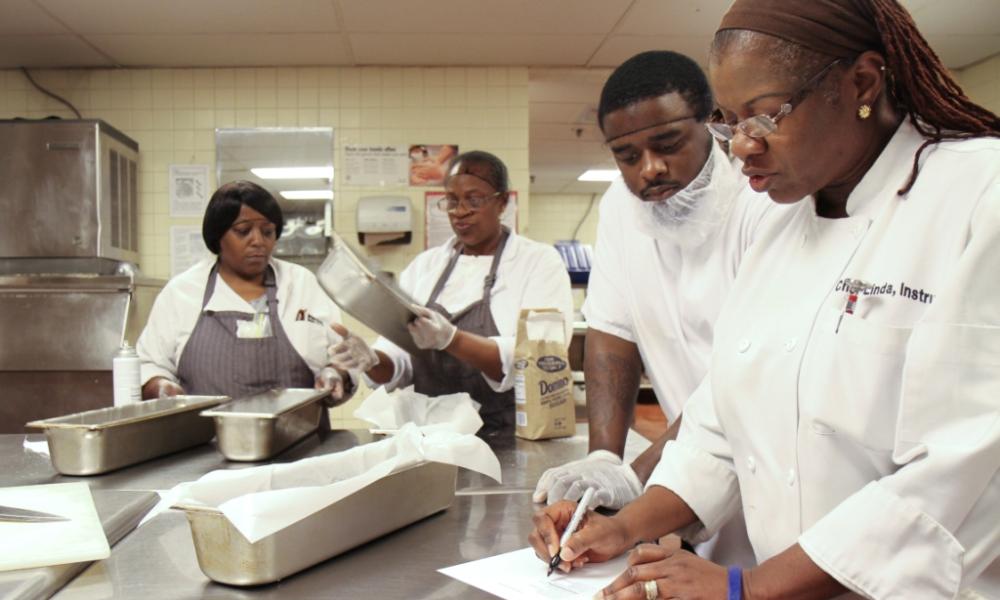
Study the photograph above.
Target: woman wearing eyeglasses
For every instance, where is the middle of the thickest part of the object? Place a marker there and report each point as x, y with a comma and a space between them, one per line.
852, 406
473, 287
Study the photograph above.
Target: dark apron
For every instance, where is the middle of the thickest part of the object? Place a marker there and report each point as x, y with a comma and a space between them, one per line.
435, 372
216, 362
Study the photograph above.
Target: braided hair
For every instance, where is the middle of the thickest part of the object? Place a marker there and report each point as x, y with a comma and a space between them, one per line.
923, 88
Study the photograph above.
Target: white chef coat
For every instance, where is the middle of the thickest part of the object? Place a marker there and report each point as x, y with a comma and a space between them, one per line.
664, 297
875, 447
304, 309
530, 275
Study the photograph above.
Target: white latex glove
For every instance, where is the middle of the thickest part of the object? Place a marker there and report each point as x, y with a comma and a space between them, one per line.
431, 331
616, 483
351, 352
329, 379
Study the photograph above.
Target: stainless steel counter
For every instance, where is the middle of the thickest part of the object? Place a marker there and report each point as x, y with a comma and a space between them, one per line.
158, 560
522, 462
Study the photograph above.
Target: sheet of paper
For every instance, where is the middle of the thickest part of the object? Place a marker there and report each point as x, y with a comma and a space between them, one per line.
186, 248
80, 538
189, 191
519, 575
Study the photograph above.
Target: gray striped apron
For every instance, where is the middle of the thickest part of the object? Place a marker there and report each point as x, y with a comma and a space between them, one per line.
217, 362
435, 372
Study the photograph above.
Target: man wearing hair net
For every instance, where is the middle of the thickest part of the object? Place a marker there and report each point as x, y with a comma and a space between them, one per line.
673, 228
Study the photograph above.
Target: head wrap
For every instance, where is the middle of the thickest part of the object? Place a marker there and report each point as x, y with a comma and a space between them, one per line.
481, 165
837, 28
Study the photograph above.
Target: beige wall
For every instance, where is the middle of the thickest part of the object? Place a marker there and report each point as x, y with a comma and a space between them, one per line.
981, 83
555, 216
173, 113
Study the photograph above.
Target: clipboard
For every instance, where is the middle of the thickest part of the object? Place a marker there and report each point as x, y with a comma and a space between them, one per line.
379, 303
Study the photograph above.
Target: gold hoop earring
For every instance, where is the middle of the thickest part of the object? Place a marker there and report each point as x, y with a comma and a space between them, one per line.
864, 111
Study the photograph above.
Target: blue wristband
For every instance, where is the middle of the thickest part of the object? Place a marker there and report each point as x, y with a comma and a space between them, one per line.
735, 583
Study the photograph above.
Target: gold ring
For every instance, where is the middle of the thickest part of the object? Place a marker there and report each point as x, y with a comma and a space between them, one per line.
652, 590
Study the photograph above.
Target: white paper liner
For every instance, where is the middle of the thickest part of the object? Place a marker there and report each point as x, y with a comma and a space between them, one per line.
260, 501
389, 411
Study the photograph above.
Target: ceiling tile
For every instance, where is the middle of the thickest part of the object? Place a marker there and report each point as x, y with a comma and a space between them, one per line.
553, 17
224, 50
619, 48
676, 17
24, 17
194, 16
472, 49
48, 51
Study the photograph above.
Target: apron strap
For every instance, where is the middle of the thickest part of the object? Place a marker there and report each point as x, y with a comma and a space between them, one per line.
490, 278
210, 286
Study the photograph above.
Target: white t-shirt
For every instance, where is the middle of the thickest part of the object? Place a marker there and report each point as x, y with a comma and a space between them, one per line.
664, 297
304, 309
465, 285
530, 275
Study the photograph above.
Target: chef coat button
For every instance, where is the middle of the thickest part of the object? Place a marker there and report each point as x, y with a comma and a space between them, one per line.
751, 464
744, 345
791, 477
789, 344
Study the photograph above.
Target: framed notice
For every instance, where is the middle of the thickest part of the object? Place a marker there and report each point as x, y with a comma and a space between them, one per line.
437, 227
428, 163
376, 165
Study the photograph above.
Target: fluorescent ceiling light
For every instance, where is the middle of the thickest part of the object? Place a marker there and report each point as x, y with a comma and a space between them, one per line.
307, 195
293, 172
598, 175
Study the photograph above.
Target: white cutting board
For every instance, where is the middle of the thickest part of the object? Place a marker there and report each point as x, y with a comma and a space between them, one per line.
27, 545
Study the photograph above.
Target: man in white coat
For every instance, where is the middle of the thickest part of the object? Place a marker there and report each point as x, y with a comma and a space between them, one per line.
673, 229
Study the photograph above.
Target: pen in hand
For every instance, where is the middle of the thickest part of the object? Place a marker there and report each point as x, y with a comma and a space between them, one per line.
574, 522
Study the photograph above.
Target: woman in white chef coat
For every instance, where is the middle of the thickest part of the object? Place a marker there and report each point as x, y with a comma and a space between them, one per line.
241, 322
473, 288
853, 399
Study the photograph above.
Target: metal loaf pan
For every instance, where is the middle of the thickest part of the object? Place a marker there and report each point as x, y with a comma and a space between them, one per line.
260, 426
97, 441
390, 503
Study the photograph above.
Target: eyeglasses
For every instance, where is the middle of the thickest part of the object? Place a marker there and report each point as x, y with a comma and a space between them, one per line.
472, 203
759, 126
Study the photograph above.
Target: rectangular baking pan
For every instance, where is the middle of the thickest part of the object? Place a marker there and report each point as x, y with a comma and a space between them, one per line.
97, 441
258, 427
390, 503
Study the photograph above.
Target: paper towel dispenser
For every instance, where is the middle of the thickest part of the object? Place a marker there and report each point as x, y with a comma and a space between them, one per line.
385, 220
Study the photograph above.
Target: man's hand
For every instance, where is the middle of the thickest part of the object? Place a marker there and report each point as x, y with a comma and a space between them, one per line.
616, 484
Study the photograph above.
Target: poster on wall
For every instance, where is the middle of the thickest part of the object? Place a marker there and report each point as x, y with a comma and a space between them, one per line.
437, 227
376, 165
428, 163
189, 191
186, 248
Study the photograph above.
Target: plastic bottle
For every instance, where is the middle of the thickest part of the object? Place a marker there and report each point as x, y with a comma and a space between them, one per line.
125, 373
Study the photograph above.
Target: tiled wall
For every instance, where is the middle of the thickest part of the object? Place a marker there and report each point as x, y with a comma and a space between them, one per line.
981, 83
556, 216
173, 113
